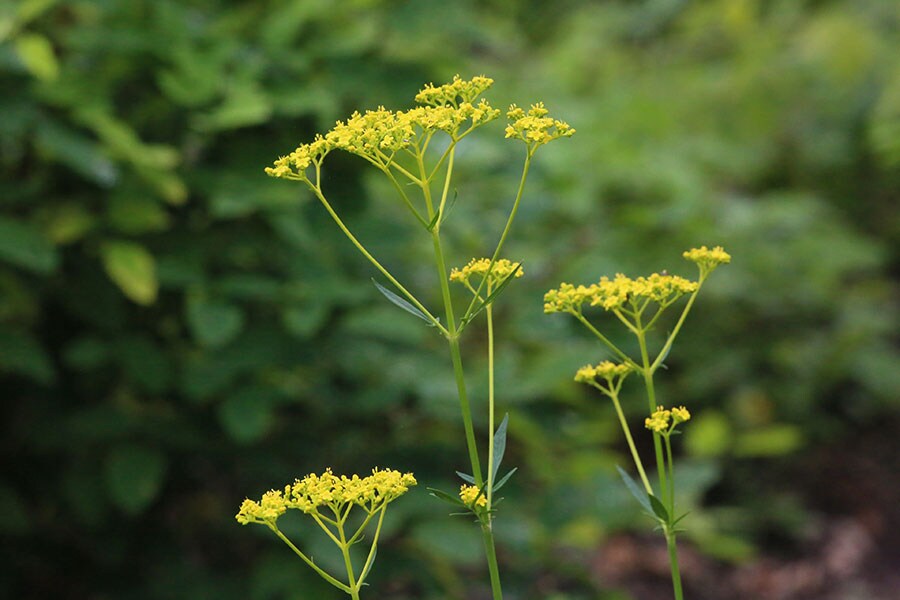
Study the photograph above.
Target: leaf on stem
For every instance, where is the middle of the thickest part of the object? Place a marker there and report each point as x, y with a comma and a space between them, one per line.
639, 494
504, 479
397, 300
490, 299
368, 566
499, 445
440, 495
659, 509
467, 478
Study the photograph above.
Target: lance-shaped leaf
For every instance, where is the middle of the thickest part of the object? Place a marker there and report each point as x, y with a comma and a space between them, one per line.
639, 494
441, 495
467, 318
397, 300
467, 478
659, 509
504, 479
499, 445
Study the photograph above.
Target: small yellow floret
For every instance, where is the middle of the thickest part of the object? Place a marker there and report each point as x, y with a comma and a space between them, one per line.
535, 128
468, 493
659, 420
707, 259
502, 269
680, 415
567, 298
605, 370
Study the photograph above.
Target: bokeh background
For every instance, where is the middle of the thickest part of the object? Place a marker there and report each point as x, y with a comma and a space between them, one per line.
178, 331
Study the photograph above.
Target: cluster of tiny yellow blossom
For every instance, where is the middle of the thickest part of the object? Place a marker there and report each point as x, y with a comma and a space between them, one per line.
328, 490
454, 93
567, 298
605, 370
615, 293
469, 493
662, 289
662, 419
707, 259
534, 127
501, 270
378, 134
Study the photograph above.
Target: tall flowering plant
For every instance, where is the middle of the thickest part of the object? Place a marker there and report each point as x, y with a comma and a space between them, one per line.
415, 150
638, 304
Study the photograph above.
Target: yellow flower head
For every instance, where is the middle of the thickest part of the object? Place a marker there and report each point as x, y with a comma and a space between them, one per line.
659, 420
567, 298
664, 289
468, 493
707, 259
455, 93
327, 489
605, 370
295, 164
680, 415
501, 270
534, 127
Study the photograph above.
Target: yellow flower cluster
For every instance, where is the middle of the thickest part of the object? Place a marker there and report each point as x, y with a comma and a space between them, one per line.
534, 127
614, 293
605, 370
468, 493
662, 418
502, 269
377, 134
327, 489
707, 259
454, 93
663, 289
567, 298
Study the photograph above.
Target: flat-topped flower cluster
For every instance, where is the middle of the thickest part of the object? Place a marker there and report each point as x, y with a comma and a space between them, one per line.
453, 108
327, 490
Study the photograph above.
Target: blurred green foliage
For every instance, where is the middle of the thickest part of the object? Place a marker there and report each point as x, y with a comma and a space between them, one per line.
177, 331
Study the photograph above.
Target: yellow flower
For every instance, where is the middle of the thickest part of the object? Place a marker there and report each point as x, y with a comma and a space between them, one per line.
680, 415
707, 259
567, 298
659, 420
502, 269
535, 128
468, 493
660, 288
454, 93
605, 370
327, 489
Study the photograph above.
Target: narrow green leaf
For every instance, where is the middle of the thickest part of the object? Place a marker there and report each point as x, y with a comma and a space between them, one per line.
504, 479
499, 445
450, 206
397, 300
490, 299
434, 220
467, 478
440, 495
368, 565
133, 269
658, 508
639, 494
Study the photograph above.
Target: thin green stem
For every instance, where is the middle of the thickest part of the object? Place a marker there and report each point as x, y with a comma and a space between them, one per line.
372, 259
624, 357
631, 446
506, 229
671, 499
348, 563
491, 553
673, 564
651, 398
490, 463
668, 345
372, 550
338, 584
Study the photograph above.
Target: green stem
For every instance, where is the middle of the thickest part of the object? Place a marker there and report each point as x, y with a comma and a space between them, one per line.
631, 446
488, 535
651, 398
506, 229
316, 568
671, 498
490, 463
624, 357
372, 550
371, 259
668, 345
348, 563
673, 564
